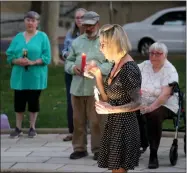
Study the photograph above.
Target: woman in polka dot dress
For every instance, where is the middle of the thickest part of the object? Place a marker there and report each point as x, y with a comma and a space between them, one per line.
120, 92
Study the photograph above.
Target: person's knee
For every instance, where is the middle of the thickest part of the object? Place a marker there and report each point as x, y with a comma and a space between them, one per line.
155, 116
79, 122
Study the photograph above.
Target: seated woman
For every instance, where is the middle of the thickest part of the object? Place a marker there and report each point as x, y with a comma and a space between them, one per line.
157, 73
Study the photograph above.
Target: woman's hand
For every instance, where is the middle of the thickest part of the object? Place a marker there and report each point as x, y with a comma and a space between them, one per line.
21, 61
147, 109
103, 107
36, 62
31, 62
91, 67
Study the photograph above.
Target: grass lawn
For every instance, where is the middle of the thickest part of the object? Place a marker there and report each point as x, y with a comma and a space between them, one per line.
53, 99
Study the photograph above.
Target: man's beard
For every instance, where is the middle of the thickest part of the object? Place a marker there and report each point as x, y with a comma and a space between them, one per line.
91, 34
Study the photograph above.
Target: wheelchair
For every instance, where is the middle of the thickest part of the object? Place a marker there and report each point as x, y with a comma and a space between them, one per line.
173, 154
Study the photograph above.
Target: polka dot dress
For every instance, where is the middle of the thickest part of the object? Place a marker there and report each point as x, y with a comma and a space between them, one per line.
120, 143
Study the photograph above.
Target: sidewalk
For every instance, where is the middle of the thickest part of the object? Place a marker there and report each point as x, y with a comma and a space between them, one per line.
48, 153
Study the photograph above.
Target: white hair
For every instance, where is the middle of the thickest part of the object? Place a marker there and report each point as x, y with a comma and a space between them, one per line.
160, 47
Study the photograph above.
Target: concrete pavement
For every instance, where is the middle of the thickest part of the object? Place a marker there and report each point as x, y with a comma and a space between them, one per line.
48, 153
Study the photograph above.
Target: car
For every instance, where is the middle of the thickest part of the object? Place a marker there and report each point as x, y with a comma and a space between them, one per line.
167, 26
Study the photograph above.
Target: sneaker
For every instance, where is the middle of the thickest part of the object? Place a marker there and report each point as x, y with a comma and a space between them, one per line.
32, 133
78, 154
16, 133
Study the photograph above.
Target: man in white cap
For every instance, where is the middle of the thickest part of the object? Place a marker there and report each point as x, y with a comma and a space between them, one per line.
82, 88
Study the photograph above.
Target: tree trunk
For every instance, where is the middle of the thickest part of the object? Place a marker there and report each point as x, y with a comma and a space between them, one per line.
36, 6
111, 12
50, 20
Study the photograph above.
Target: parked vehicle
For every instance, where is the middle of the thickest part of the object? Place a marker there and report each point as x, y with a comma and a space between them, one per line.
167, 26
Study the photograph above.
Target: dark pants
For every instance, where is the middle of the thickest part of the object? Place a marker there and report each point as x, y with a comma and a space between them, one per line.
154, 125
68, 79
143, 129
30, 97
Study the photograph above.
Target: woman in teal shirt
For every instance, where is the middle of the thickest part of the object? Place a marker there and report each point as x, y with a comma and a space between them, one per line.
29, 74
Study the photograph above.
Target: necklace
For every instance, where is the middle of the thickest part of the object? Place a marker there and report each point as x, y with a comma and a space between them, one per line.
111, 77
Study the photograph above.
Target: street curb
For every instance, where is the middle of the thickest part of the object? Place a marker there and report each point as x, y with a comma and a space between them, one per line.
9, 170
65, 131
41, 130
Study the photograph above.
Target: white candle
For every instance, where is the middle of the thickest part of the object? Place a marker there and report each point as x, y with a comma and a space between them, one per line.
96, 93
86, 74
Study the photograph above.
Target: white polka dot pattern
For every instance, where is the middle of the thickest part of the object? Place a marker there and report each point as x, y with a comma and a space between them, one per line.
120, 143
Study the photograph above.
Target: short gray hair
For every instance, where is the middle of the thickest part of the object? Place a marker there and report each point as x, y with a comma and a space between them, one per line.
160, 47
32, 15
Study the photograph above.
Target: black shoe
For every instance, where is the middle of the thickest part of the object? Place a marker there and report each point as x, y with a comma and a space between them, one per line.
16, 133
78, 154
95, 157
153, 161
32, 133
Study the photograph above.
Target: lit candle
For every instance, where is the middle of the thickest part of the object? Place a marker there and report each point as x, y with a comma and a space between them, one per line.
83, 62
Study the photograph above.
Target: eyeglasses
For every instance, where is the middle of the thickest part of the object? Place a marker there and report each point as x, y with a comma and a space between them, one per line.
30, 19
157, 54
78, 17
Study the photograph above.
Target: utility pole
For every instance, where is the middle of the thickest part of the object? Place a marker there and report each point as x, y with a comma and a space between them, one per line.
50, 22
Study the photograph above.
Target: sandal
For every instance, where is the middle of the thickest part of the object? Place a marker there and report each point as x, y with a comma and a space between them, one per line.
68, 138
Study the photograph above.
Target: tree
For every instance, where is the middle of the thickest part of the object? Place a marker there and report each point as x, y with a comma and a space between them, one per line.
49, 24
36, 6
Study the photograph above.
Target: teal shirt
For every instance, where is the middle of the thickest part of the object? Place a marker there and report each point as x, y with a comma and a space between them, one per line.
80, 85
38, 47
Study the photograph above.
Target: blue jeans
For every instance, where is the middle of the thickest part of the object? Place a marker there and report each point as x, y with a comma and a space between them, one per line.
68, 79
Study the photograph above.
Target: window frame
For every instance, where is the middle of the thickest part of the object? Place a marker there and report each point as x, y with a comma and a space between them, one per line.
164, 18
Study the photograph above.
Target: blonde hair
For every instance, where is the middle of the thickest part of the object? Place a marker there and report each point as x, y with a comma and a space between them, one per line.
115, 36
